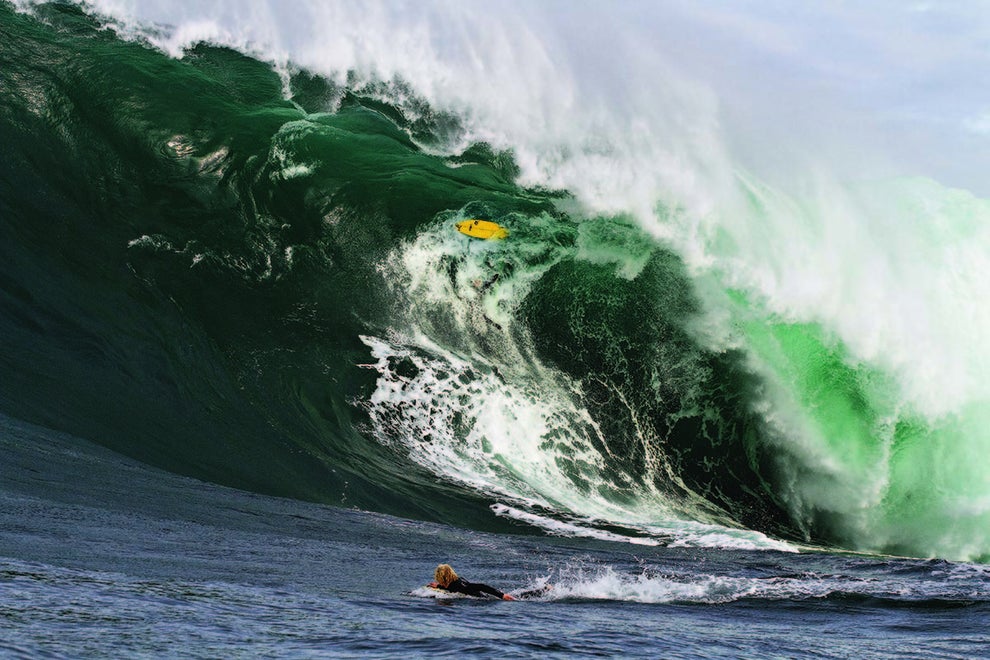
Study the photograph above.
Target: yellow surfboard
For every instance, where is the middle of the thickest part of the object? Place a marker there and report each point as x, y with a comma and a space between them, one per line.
485, 229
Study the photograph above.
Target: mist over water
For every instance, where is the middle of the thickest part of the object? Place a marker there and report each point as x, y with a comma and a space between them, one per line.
826, 259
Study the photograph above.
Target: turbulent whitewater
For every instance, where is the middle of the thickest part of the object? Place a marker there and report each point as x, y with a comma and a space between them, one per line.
227, 249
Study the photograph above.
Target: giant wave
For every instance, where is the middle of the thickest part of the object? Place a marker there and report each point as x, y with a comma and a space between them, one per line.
227, 250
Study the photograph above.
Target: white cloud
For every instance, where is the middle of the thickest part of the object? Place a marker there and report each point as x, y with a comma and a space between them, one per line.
979, 124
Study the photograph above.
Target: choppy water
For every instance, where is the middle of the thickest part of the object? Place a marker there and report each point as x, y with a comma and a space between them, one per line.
706, 387
106, 557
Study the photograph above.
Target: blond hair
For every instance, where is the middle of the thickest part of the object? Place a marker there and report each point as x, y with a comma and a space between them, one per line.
444, 575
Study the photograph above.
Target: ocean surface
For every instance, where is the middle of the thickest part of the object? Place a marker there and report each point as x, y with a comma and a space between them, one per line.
722, 386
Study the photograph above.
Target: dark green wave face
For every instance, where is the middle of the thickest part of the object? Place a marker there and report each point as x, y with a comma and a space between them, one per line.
255, 279
189, 258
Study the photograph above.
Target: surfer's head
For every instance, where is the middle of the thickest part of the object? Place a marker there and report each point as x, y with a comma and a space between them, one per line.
444, 575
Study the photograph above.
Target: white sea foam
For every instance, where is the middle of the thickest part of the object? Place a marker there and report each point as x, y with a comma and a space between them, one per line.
605, 583
561, 528
529, 448
672, 533
576, 582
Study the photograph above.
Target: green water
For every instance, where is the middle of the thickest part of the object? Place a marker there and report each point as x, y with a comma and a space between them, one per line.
198, 253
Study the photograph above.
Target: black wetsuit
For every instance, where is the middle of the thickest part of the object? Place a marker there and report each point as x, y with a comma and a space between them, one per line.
462, 586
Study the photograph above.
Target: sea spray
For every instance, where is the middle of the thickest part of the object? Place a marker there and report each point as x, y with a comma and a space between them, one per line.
518, 367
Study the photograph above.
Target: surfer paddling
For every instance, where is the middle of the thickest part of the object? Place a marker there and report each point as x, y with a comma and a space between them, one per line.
445, 578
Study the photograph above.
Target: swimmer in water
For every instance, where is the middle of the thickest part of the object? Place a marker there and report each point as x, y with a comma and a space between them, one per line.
445, 578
